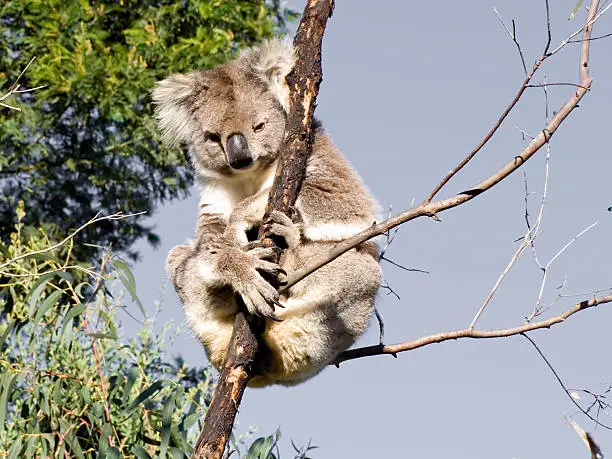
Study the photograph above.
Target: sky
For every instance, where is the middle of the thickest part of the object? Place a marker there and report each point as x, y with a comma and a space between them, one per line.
409, 88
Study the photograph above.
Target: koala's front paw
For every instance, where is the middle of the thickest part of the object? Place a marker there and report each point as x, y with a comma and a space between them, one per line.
284, 227
243, 272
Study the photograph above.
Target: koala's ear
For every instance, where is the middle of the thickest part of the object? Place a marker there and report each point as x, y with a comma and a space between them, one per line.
272, 60
172, 98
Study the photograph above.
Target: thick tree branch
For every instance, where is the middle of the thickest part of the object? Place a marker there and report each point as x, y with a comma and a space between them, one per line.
241, 360
431, 209
393, 349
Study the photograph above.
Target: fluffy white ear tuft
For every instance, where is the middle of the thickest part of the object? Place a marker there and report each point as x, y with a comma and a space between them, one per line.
171, 98
273, 60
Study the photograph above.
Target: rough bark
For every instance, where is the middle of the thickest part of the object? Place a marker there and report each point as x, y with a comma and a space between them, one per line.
241, 360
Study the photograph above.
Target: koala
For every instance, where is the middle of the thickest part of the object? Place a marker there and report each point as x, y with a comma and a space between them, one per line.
232, 120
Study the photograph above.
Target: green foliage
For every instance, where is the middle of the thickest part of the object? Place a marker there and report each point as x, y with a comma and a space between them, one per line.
88, 141
71, 385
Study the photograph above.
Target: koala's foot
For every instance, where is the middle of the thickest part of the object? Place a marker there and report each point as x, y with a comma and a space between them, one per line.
176, 256
284, 227
243, 272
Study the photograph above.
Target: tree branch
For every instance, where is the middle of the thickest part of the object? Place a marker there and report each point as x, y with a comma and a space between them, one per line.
431, 209
468, 333
241, 360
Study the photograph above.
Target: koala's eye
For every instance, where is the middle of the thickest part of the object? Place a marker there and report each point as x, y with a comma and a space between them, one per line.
212, 137
259, 126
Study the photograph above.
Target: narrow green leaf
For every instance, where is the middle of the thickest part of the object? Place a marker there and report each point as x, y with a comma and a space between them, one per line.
71, 314
112, 336
65, 276
256, 448
37, 289
73, 443
140, 452
104, 450
166, 424
124, 273
575, 10
7, 387
50, 301
131, 379
15, 451
149, 392
8, 330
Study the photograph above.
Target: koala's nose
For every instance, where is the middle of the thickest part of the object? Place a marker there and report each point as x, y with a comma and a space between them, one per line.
237, 150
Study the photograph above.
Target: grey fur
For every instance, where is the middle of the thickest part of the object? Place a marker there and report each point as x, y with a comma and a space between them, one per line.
326, 312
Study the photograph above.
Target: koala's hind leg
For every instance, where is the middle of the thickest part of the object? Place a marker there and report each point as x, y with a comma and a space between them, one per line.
323, 315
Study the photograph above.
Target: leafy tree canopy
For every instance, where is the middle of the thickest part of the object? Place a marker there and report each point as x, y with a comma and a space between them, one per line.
87, 142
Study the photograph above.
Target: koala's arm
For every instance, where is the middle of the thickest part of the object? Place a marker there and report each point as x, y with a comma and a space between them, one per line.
200, 269
332, 205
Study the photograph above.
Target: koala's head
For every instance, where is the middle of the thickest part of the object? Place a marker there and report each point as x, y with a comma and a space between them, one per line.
231, 117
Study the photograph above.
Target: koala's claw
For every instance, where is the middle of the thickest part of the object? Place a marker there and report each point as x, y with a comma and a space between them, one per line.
253, 245
259, 297
283, 226
279, 304
264, 253
275, 318
295, 214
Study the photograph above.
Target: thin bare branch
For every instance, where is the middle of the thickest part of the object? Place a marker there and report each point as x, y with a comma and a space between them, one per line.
536, 310
545, 85
469, 333
608, 35
593, 16
381, 326
512, 35
430, 209
558, 378
549, 39
515, 257
14, 89
413, 270
94, 220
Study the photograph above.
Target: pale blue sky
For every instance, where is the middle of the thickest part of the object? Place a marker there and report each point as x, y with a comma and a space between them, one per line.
409, 88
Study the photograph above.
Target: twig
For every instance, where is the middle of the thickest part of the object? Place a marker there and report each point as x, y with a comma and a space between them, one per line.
14, 89
593, 17
513, 37
545, 55
95, 219
381, 326
592, 39
428, 208
558, 378
415, 270
545, 85
536, 310
501, 277
468, 333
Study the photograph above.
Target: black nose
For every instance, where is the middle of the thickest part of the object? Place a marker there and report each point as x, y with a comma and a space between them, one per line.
237, 150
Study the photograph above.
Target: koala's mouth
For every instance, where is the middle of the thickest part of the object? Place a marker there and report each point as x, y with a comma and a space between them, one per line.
237, 152
241, 164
